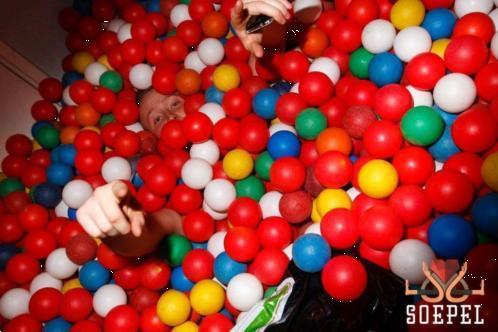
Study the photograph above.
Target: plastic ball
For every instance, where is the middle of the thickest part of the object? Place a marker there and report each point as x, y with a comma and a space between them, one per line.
475, 130
382, 139
111, 80
344, 278
385, 68
269, 266
207, 297
310, 252
484, 212
411, 42
122, 317
327, 66
211, 51
340, 228
179, 281
380, 228
316, 88
14, 302
176, 247
76, 192
76, 304
406, 13
59, 265
216, 322
310, 123
198, 264
93, 275
295, 207
333, 169
44, 304
226, 77
173, 308
225, 268
451, 236
81, 248
378, 36
219, 194
330, 199
449, 191
283, 144
116, 168
439, 23
454, 92
264, 103
238, 164
243, 291
108, 297
378, 178
445, 147
488, 171
463, 7
422, 125
466, 54
141, 76
44, 280
406, 258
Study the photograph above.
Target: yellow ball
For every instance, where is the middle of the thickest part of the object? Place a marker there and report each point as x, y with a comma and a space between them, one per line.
207, 297
238, 164
406, 13
81, 60
330, 199
105, 61
315, 216
439, 47
226, 77
186, 327
36, 145
70, 284
378, 178
489, 171
173, 308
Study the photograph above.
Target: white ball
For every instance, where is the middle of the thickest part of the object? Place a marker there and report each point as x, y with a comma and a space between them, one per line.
269, 204
178, 14
61, 210
405, 259
412, 41
307, 11
116, 168
215, 243
420, 97
243, 291
141, 76
193, 61
314, 228
196, 173
208, 151
353, 193
463, 7
66, 97
378, 36
214, 214
115, 24
494, 45
494, 17
327, 66
14, 302
219, 194
135, 127
295, 88
455, 92
93, 72
288, 251
59, 266
124, 33
281, 127
108, 297
214, 111
211, 51
44, 280
76, 193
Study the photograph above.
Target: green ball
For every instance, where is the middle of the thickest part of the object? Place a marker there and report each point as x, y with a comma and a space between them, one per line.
111, 80
250, 187
106, 119
359, 61
263, 165
422, 125
310, 123
48, 137
185, 2
174, 248
9, 185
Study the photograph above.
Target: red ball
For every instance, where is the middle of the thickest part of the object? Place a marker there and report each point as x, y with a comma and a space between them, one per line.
142, 298
381, 228
110, 259
344, 278
241, 243
126, 112
418, 232
424, 70
81, 248
76, 304
465, 54
89, 162
468, 164
346, 36
414, 165
86, 326
88, 139
200, 8
357, 119
154, 274
487, 81
164, 79
160, 180
293, 66
363, 11
149, 201
19, 145
143, 31
363, 203
14, 166
295, 207
340, 228
333, 169
244, 211
33, 217
133, 51
288, 107
198, 265
411, 204
328, 20
23, 323
226, 133
432, 4
173, 135
128, 277
382, 139
122, 318
235, 50
274, 232
334, 110
40, 243
361, 92
378, 257
392, 102
190, 32
287, 174
316, 88
269, 266
50, 89
175, 49
253, 84
43, 110
154, 53
449, 191
127, 143
475, 130
175, 159
150, 322
184, 199
475, 24
309, 153
237, 103
253, 135
216, 322
44, 304
103, 100
80, 91
198, 226
17, 200
197, 127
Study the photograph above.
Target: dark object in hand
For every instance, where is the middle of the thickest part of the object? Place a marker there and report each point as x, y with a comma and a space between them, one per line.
257, 23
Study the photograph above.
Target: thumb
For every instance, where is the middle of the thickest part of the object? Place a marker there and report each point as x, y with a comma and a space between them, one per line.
120, 190
237, 11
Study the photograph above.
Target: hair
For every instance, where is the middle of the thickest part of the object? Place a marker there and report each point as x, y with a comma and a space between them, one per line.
140, 95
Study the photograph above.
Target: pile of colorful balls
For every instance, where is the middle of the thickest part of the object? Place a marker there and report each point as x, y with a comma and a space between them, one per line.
375, 138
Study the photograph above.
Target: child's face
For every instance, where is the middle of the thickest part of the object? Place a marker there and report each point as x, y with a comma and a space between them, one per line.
157, 109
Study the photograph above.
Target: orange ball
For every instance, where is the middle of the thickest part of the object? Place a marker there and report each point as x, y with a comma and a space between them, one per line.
214, 25
86, 115
334, 139
68, 134
314, 42
188, 82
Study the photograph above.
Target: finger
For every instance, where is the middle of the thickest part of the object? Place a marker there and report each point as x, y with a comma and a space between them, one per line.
273, 9
237, 11
137, 221
119, 190
100, 219
87, 223
257, 50
114, 214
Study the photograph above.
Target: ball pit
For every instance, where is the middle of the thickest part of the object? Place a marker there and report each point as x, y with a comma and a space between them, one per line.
376, 137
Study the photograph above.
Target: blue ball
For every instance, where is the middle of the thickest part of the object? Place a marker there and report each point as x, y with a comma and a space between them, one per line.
444, 147
448, 118
451, 236
37, 126
54, 155
57, 325
311, 252
385, 68
439, 23
67, 154
284, 144
137, 181
71, 213
153, 6
199, 245
6, 252
226, 268
179, 281
47, 194
226, 313
94, 275
282, 87
59, 173
485, 214
70, 77
264, 103
214, 95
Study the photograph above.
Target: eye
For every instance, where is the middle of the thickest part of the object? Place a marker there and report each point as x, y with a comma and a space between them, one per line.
157, 119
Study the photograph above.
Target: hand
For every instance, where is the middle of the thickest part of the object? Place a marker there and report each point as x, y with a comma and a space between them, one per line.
110, 211
243, 9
